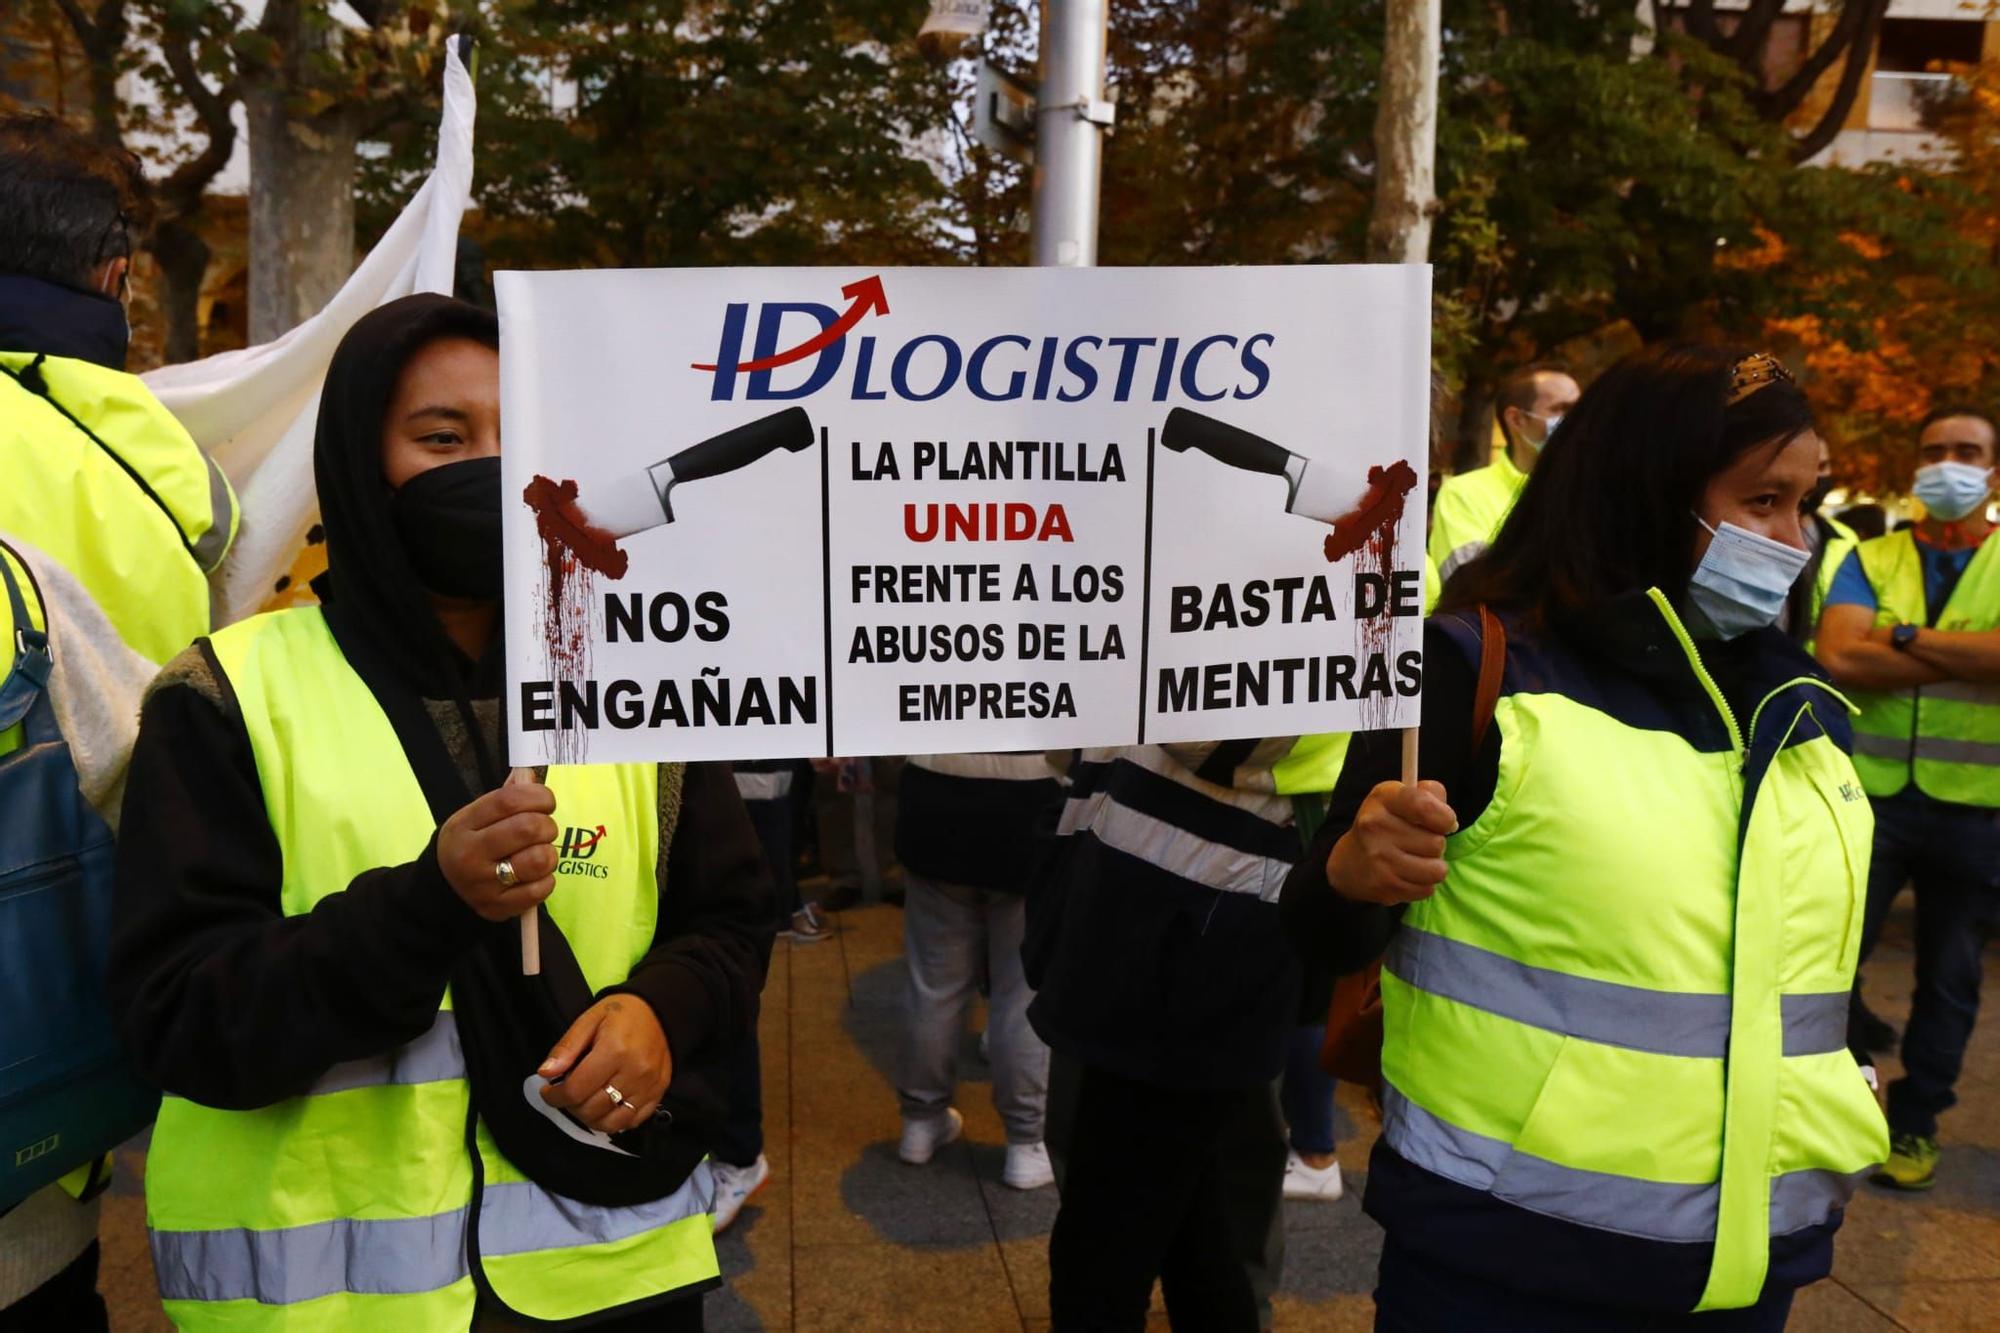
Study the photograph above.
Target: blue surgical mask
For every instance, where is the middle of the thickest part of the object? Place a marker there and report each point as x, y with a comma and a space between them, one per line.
1743, 580
1950, 491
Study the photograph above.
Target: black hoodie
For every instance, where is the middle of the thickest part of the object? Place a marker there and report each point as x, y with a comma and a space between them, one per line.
225, 1000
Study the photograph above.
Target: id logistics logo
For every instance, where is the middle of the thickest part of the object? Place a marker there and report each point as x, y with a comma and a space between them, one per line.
1005, 367
576, 854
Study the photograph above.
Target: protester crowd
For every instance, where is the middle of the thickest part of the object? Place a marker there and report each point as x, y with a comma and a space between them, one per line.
1589, 937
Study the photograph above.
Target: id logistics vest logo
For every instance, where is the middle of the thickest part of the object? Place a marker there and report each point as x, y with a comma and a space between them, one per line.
576, 854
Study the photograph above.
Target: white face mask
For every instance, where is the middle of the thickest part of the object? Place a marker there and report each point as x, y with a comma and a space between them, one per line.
1950, 491
1743, 579
1549, 424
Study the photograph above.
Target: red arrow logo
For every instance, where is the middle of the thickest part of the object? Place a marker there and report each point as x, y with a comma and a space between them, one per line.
867, 296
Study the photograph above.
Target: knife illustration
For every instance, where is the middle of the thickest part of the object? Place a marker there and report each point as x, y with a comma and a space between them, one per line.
644, 499
1314, 491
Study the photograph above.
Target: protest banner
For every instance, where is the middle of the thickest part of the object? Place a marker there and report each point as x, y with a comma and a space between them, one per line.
766, 513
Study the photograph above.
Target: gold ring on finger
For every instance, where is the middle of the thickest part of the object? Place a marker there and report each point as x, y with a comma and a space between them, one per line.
617, 1097
503, 870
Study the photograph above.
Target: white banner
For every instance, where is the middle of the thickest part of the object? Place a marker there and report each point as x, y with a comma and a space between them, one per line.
764, 513
254, 409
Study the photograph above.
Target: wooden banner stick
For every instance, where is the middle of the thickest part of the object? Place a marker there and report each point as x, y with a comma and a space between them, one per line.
1409, 756
531, 920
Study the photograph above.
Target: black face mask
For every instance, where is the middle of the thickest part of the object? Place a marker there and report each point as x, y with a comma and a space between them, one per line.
1816, 496
449, 522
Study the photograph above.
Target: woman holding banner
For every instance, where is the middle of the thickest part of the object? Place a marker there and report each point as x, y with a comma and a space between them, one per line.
1621, 908
373, 1117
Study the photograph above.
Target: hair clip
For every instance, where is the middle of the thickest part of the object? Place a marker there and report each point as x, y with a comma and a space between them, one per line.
1754, 372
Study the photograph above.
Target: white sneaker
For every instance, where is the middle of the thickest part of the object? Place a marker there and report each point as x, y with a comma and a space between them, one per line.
1028, 1166
733, 1187
1311, 1182
922, 1138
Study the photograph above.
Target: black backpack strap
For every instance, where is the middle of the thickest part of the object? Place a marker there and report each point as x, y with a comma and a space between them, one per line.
31, 662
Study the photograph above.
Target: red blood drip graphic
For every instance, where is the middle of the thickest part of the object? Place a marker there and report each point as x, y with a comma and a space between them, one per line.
561, 522
1370, 528
1380, 510
574, 553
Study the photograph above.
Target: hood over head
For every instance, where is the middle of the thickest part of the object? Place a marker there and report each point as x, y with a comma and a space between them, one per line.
375, 603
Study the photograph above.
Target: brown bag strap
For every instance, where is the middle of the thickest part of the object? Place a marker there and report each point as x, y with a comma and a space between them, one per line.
1492, 665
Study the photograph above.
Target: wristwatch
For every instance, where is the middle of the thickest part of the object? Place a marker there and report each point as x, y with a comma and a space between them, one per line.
1901, 637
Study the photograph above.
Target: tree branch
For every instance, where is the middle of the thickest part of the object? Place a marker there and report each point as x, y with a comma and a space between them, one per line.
211, 106
1835, 115
80, 23
1700, 22
181, 191
101, 35
1854, 30
1746, 45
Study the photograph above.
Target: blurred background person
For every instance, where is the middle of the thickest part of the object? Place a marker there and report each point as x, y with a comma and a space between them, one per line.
1909, 631
1470, 507
1164, 987
126, 518
969, 830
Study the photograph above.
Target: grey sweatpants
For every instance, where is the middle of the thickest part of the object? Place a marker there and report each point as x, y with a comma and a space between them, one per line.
949, 932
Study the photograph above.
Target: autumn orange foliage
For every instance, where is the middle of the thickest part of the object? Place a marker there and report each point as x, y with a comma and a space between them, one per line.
1893, 319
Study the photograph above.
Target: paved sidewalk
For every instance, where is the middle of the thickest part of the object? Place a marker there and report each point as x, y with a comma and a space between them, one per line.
847, 1237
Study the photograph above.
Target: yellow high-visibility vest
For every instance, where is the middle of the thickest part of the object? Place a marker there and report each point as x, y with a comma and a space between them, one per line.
1469, 510
351, 1206
1945, 737
103, 480
1626, 1007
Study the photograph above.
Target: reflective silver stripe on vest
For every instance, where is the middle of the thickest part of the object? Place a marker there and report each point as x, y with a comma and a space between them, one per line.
1649, 1209
1964, 692
1603, 1011
1801, 1199
521, 1217
210, 547
1174, 850
1943, 751
1934, 748
764, 786
1003, 767
400, 1256
1634, 1017
1462, 556
1643, 1208
1663, 1022
431, 1058
1815, 1023
1266, 804
1881, 747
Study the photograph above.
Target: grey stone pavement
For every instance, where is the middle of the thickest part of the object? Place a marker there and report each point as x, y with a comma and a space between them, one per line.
847, 1237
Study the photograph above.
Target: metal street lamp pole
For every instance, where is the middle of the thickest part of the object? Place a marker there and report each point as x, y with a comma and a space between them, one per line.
1073, 116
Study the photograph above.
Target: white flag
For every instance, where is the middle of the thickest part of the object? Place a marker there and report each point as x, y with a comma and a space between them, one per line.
254, 410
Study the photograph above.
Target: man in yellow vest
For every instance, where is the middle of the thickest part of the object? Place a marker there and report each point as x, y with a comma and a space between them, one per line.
1471, 506
96, 476
1912, 630
1831, 541
100, 476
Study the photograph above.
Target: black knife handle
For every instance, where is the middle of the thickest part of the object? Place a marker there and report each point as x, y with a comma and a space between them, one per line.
1223, 442
790, 429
